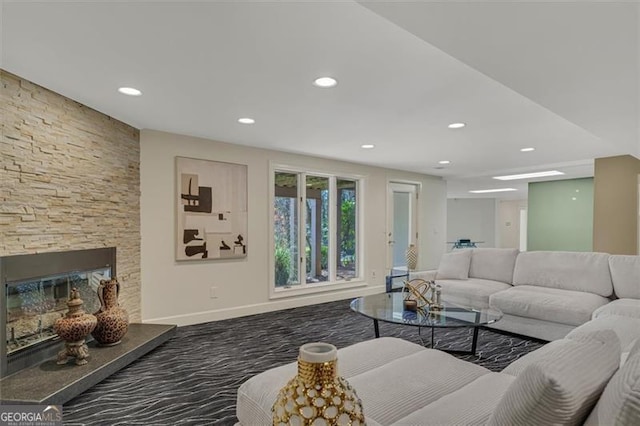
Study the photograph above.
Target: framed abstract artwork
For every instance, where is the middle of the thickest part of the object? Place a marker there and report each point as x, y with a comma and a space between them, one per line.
211, 208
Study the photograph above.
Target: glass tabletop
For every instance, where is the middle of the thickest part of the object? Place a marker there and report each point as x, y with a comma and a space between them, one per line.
389, 307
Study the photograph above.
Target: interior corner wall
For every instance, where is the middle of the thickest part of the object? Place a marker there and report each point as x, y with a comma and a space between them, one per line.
560, 215
179, 292
615, 212
472, 218
69, 180
432, 223
508, 228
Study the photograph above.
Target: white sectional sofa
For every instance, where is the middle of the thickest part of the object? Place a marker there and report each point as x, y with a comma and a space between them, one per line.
401, 383
587, 304
542, 294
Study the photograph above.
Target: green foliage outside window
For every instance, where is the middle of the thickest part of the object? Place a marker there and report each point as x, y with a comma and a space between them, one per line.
324, 260
347, 229
283, 262
316, 231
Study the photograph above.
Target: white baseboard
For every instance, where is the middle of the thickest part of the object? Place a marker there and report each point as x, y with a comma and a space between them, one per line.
259, 308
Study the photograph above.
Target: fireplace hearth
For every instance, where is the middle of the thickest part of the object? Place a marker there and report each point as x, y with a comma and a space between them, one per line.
34, 294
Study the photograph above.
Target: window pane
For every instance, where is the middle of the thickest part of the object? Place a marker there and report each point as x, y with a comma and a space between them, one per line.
317, 232
401, 227
346, 229
285, 225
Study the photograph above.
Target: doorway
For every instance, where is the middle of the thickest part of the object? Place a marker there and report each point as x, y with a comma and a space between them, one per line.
402, 225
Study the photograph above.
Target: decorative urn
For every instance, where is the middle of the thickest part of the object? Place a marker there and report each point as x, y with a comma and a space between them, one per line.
73, 328
412, 257
113, 321
317, 395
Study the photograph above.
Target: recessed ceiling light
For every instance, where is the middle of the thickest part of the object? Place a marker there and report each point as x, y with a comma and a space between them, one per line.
485, 191
246, 120
444, 162
367, 146
527, 149
325, 82
129, 91
530, 175
456, 125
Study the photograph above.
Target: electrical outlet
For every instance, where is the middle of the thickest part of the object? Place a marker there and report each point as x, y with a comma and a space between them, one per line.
213, 292
373, 274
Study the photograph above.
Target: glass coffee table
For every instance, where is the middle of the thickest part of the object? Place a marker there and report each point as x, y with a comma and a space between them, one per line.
389, 307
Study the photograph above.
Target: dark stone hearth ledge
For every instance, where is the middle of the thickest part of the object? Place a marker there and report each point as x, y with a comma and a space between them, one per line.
49, 383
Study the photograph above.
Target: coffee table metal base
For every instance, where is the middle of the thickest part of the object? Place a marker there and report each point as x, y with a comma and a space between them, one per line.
474, 342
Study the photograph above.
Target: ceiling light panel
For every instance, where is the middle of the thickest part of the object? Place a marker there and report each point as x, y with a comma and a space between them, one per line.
246, 120
486, 191
530, 175
456, 125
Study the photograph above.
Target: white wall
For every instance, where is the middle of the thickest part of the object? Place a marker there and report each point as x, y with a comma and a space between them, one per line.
472, 218
508, 227
179, 292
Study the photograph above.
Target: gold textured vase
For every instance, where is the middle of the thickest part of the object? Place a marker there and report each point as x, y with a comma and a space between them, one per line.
317, 395
412, 257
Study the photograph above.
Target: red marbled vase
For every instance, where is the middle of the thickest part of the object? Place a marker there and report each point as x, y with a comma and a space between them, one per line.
113, 321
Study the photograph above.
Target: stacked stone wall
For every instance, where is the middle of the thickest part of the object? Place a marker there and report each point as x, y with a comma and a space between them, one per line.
69, 180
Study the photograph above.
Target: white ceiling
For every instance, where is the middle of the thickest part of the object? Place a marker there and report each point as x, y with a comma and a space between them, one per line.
561, 77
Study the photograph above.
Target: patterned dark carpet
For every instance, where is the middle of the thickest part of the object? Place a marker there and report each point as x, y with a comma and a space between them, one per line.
192, 379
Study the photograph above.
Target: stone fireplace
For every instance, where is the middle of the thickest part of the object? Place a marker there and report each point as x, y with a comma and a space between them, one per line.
35, 289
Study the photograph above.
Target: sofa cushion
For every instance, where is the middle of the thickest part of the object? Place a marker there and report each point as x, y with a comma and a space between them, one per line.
627, 329
538, 329
620, 307
493, 264
548, 304
257, 395
587, 272
562, 387
454, 265
558, 348
620, 401
549, 350
635, 348
473, 292
625, 274
407, 384
470, 405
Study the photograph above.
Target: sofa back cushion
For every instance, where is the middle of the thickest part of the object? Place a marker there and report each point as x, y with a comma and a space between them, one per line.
619, 307
580, 271
625, 274
454, 265
493, 264
563, 385
620, 401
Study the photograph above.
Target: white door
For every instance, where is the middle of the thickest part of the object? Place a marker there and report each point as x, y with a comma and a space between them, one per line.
402, 225
523, 229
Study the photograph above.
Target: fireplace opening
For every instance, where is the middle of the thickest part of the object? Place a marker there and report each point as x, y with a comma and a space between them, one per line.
35, 292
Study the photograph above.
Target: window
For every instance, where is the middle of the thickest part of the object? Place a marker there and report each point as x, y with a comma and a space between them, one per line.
315, 229
346, 230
